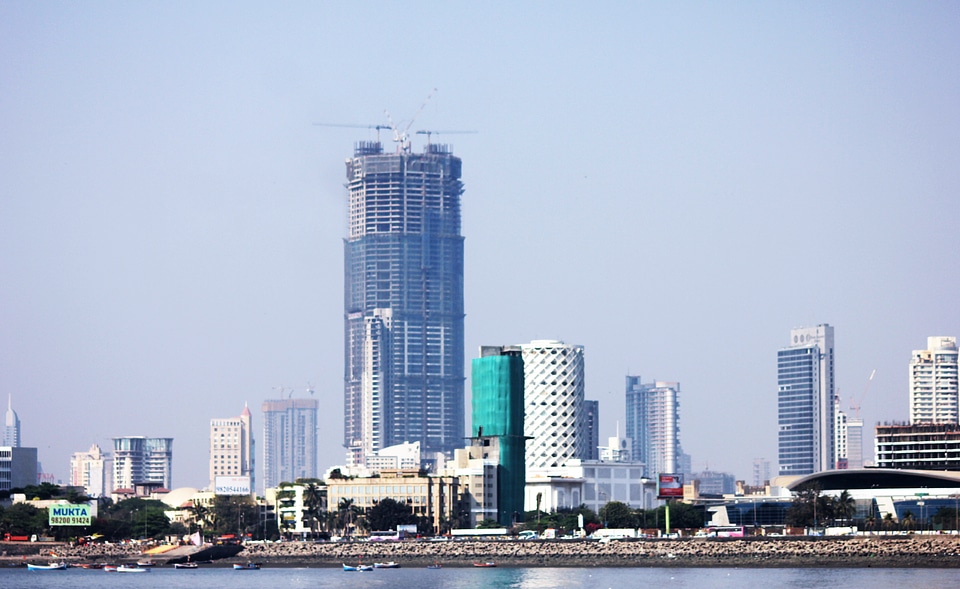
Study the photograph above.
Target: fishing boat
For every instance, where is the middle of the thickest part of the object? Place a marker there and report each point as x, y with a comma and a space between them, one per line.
53, 566
110, 568
487, 564
435, 565
92, 565
132, 569
359, 567
250, 566
186, 565
145, 563
386, 565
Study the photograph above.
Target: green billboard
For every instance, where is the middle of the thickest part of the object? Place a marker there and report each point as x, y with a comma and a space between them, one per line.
68, 514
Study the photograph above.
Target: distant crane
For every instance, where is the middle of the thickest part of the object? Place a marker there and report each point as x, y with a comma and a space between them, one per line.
283, 389
429, 133
401, 137
377, 127
855, 406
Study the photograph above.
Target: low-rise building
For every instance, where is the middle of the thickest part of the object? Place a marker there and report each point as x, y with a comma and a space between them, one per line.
437, 497
593, 483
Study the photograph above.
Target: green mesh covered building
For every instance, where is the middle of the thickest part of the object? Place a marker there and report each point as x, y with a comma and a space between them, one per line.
497, 386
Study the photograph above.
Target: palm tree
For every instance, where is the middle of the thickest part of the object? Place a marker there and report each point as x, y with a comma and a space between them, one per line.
845, 506
346, 510
313, 505
200, 513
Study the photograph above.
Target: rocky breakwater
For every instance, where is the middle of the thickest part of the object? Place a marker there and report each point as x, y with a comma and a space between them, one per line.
869, 551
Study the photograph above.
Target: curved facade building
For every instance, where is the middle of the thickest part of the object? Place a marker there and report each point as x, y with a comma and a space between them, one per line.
403, 302
553, 403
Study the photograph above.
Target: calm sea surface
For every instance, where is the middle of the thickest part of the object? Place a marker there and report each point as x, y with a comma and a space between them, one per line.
493, 578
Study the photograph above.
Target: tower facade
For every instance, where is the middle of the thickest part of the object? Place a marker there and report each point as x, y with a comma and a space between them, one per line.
232, 448
11, 426
591, 431
805, 402
498, 412
403, 301
88, 470
289, 440
553, 403
137, 459
933, 383
653, 424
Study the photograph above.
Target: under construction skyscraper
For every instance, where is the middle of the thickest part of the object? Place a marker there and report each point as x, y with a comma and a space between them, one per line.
403, 301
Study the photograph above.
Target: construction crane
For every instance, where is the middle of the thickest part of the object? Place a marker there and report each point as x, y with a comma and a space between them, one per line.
429, 133
348, 126
401, 137
855, 406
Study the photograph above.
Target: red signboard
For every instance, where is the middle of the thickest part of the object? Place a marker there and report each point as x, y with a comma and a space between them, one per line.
671, 486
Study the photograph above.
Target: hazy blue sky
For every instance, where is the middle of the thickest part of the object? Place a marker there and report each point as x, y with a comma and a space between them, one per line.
672, 185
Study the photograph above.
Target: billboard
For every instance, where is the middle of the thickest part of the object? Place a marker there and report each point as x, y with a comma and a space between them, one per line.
69, 514
231, 486
670, 487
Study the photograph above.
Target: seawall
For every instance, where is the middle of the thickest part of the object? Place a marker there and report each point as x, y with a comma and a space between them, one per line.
939, 551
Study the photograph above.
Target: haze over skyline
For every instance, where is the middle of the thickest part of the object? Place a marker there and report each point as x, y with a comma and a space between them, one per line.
674, 187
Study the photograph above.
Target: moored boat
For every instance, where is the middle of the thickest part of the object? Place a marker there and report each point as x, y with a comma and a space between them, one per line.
435, 565
110, 568
186, 565
124, 568
359, 567
487, 564
250, 566
53, 566
386, 565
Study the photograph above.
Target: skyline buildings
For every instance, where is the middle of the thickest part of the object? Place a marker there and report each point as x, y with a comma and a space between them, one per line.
232, 448
139, 459
805, 402
553, 403
653, 425
289, 440
403, 301
933, 383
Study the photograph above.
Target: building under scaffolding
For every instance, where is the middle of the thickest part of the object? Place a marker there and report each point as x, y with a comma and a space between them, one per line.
403, 301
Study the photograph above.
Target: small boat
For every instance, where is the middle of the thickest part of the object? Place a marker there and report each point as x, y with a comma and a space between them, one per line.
359, 567
186, 565
386, 565
250, 566
144, 563
92, 565
487, 564
53, 566
110, 568
132, 569
436, 565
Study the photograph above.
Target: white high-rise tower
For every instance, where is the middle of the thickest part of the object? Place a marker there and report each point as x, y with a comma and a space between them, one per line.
11, 426
933, 382
553, 403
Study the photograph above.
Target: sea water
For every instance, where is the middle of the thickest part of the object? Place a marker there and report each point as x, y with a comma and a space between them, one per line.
487, 578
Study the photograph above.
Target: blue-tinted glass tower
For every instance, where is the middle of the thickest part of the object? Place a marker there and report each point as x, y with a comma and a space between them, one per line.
403, 301
805, 402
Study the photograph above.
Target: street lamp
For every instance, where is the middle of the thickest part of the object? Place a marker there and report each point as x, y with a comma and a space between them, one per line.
920, 504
